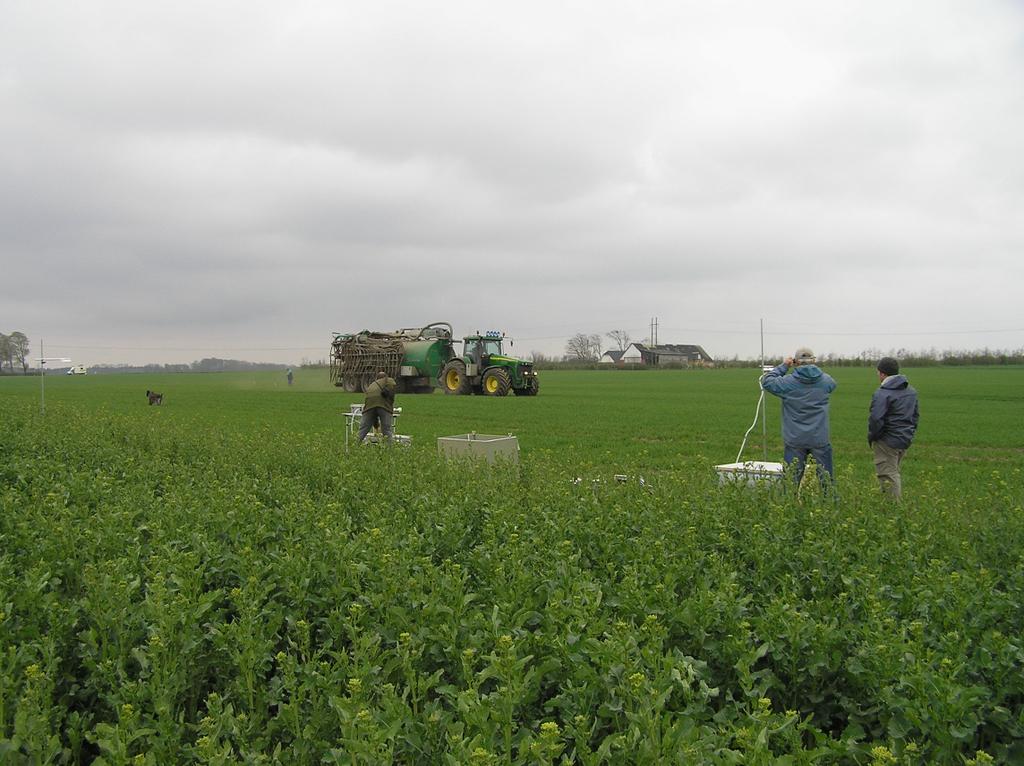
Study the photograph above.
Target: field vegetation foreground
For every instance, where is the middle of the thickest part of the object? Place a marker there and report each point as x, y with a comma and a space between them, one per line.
218, 581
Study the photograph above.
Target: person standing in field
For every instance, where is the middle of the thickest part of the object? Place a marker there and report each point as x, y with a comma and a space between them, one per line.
379, 407
289, 376
805, 428
892, 423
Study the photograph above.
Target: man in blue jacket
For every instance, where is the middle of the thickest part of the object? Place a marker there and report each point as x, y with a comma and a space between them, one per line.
892, 424
804, 393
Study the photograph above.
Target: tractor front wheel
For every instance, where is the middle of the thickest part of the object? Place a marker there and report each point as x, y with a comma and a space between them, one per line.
496, 382
532, 388
453, 378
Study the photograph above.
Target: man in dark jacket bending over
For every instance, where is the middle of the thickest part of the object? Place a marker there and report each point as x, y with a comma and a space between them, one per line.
805, 431
891, 424
379, 406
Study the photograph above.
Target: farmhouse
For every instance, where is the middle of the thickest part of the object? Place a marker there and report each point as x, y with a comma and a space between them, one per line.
666, 354
611, 357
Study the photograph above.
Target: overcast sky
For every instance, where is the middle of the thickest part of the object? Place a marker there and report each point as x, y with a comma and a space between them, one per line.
240, 179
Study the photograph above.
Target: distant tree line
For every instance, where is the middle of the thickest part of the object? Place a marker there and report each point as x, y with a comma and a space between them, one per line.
13, 349
211, 364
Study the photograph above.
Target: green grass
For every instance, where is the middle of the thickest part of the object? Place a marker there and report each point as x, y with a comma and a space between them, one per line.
651, 421
217, 581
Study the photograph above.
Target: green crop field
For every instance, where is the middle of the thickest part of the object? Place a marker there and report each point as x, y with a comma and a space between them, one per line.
218, 581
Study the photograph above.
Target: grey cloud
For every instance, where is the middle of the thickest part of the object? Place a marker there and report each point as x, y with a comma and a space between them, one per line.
250, 169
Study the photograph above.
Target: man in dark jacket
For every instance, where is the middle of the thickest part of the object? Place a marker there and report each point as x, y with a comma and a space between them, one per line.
378, 406
892, 424
805, 429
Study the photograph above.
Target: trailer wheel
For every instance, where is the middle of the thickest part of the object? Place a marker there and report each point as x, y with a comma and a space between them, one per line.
367, 379
351, 384
453, 378
496, 382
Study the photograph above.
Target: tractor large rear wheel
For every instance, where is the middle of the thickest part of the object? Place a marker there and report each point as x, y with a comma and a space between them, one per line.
453, 378
496, 382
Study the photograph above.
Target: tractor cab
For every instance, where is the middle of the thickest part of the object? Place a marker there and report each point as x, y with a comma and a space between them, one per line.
478, 349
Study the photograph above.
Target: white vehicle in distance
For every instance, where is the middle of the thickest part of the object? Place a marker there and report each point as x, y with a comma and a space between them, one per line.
78, 369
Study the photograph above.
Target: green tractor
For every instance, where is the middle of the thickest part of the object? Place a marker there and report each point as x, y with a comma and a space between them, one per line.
484, 369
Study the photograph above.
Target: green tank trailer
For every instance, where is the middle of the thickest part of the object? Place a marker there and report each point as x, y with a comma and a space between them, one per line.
414, 357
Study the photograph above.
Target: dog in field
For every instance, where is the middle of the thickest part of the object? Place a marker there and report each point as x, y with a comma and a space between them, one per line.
154, 397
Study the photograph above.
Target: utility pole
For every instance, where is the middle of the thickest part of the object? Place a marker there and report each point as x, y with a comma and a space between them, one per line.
654, 331
764, 409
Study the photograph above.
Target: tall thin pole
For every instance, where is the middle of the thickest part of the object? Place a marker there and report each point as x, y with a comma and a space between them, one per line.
764, 408
42, 378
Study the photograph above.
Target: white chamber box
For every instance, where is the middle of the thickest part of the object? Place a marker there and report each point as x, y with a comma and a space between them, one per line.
750, 472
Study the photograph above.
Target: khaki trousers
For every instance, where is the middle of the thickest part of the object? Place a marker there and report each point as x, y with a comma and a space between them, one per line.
887, 468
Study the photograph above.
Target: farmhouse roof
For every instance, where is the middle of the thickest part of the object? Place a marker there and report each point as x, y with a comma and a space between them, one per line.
688, 350
614, 355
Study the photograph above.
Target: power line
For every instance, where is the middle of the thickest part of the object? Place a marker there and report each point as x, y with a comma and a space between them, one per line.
654, 328
798, 331
192, 348
899, 332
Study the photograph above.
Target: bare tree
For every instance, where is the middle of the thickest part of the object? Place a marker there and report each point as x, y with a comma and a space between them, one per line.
621, 338
19, 349
582, 347
578, 347
539, 357
5, 352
